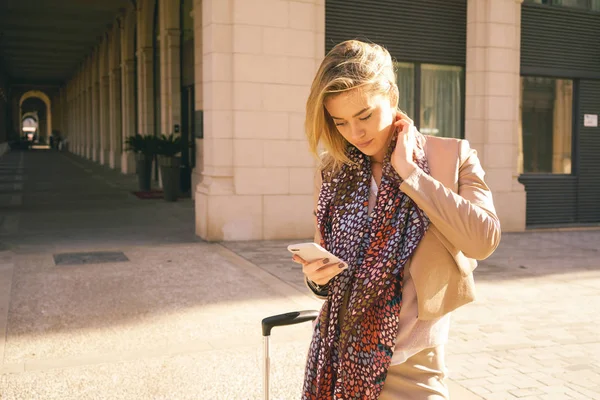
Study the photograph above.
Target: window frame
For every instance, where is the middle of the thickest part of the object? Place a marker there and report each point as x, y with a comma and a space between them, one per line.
574, 129
552, 3
417, 92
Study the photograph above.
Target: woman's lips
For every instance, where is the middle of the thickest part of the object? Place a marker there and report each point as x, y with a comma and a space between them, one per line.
364, 144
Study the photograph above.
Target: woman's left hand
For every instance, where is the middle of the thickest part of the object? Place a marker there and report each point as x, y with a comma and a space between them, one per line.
402, 156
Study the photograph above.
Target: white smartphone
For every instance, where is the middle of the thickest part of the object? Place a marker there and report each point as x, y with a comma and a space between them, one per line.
311, 251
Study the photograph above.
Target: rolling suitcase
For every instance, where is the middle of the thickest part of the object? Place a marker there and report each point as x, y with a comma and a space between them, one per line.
291, 318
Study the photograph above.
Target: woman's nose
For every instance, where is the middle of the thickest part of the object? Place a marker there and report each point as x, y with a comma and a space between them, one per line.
357, 131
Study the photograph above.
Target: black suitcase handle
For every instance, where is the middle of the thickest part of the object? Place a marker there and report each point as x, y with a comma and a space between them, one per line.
291, 318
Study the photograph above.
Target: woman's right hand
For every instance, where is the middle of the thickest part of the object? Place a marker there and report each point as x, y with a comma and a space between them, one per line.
320, 271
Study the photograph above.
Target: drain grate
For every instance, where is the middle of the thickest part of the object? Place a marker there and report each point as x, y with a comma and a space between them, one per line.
97, 257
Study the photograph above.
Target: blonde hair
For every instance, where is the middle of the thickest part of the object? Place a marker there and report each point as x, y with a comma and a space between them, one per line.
349, 65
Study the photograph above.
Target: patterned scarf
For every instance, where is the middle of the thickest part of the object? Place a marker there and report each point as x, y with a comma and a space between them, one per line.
348, 359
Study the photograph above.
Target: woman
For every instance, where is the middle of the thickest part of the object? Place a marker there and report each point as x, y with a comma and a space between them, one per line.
408, 213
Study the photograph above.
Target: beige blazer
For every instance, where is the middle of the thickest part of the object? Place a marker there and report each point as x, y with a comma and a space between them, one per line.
464, 225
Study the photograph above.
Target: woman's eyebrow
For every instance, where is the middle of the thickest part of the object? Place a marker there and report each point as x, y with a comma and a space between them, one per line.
355, 115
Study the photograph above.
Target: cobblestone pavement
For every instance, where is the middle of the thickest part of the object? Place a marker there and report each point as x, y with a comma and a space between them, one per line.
172, 317
533, 331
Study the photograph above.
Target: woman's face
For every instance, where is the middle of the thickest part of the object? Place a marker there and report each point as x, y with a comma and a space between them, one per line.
364, 119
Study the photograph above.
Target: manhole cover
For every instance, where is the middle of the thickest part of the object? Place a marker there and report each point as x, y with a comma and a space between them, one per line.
97, 257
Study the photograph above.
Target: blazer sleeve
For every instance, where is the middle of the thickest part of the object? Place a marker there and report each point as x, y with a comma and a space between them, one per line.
317, 238
467, 219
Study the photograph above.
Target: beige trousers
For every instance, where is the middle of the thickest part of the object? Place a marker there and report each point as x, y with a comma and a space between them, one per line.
421, 377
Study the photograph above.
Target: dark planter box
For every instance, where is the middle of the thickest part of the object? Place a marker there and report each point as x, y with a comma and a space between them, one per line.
143, 167
170, 172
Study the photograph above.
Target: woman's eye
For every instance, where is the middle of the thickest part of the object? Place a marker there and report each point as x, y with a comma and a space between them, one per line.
340, 124
366, 118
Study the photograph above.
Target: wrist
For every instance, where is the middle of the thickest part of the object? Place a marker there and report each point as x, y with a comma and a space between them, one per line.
321, 290
405, 169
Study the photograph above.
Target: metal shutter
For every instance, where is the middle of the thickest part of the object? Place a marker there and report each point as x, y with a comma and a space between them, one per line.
560, 41
427, 31
589, 154
551, 199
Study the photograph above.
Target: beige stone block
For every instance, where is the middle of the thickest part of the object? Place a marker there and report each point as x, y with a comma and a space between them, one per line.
300, 71
477, 10
476, 35
474, 108
319, 47
303, 16
302, 180
320, 16
248, 152
247, 96
272, 13
296, 126
286, 153
501, 60
503, 35
217, 38
501, 132
290, 98
216, 11
503, 11
502, 108
201, 214
218, 152
475, 130
229, 218
247, 39
218, 95
301, 43
218, 124
501, 83
498, 156
511, 209
476, 83
249, 180
475, 59
278, 14
217, 67
288, 217
260, 124
499, 179
260, 68
275, 41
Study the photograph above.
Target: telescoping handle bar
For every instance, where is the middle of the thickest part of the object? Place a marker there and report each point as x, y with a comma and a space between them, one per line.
291, 318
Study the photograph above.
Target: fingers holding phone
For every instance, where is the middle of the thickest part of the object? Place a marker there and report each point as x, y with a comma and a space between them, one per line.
322, 270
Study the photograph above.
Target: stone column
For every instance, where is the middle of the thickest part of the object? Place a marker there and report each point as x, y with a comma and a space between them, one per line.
128, 90
114, 55
170, 80
104, 113
145, 65
170, 74
145, 91
95, 107
115, 118
64, 112
259, 59
492, 101
198, 95
128, 115
89, 122
79, 108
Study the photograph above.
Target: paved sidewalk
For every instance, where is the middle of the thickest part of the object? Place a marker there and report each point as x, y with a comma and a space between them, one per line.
533, 332
179, 318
